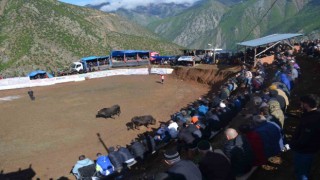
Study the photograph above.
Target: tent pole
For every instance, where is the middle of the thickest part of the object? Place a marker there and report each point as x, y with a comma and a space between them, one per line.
254, 57
245, 54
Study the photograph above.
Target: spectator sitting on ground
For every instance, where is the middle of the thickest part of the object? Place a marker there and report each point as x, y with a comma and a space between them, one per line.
173, 129
238, 150
162, 134
203, 108
213, 164
104, 166
149, 143
192, 128
183, 117
82, 162
126, 156
115, 159
181, 169
137, 150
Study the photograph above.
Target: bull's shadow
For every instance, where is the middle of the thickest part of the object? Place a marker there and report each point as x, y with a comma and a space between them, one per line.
21, 174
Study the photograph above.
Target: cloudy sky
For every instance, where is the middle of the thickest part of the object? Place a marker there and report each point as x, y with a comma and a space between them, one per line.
127, 4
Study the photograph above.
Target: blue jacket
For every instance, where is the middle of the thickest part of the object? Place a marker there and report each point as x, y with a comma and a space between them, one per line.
202, 110
104, 165
285, 80
271, 136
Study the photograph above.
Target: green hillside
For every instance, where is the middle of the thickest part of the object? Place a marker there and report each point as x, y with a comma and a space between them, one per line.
224, 23
194, 27
47, 34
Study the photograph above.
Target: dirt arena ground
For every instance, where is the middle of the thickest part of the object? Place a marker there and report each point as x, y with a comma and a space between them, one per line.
51, 132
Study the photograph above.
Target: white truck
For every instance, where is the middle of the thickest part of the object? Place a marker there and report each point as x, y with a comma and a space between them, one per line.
77, 67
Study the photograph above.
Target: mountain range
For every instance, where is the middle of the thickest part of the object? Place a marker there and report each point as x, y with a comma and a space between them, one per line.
223, 23
48, 34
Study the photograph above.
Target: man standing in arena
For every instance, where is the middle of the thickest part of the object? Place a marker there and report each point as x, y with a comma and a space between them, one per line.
162, 78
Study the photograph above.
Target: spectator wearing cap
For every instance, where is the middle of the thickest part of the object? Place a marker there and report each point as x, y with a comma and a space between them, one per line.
270, 134
238, 150
305, 142
213, 164
173, 129
181, 169
82, 162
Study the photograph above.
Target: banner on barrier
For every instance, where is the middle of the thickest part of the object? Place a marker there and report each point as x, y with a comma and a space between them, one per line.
23, 82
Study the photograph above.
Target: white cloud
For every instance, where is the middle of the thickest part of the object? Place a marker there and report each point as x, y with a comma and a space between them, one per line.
130, 4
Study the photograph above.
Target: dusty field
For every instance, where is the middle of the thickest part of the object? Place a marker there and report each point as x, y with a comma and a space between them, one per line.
52, 131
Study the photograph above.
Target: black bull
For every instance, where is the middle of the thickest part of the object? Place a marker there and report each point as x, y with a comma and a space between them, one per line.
109, 112
140, 121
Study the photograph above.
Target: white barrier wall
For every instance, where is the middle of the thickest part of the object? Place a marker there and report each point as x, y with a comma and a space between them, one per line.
24, 82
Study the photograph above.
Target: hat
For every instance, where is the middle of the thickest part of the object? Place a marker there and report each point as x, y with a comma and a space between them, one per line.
204, 145
194, 119
183, 112
257, 100
222, 104
171, 155
273, 87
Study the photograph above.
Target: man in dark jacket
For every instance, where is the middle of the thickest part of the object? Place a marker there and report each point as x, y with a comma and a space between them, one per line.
238, 150
115, 159
181, 169
137, 150
213, 164
126, 156
270, 134
305, 142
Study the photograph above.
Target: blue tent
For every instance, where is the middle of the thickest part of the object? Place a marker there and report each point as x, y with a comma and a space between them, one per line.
121, 53
90, 58
39, 72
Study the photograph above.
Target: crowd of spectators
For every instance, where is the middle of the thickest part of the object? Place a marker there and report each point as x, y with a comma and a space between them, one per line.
248, 146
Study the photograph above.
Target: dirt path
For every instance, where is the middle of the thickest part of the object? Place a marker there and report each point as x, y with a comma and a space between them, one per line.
51, 132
